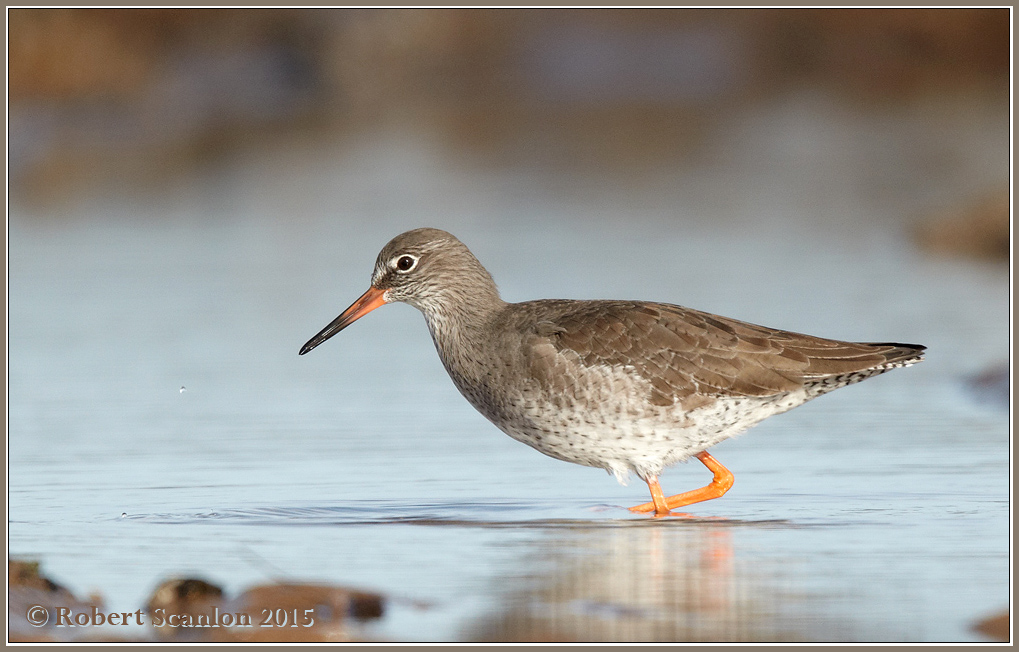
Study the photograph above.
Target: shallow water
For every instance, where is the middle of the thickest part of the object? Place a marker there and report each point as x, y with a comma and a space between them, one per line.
161, 422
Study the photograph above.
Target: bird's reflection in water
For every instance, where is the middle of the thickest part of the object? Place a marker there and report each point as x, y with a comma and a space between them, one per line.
649, 584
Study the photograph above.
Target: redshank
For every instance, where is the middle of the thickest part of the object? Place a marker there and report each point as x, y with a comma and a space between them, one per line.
626, 386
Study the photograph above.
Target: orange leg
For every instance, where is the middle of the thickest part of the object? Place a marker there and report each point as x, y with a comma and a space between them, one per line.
661, 505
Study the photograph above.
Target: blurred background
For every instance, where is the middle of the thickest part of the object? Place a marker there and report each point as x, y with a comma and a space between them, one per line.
128, 97
193, 193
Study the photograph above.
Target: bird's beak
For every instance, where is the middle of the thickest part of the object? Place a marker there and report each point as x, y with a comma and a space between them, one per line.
369, 301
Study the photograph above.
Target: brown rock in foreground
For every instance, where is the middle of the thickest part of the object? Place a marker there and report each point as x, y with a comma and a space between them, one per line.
187, 610
195, 610
34, 602
187, 599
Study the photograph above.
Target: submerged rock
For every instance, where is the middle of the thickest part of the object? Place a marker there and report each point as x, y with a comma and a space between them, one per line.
992, 386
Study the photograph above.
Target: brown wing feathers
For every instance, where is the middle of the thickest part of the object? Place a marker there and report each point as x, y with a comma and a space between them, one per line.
684, 352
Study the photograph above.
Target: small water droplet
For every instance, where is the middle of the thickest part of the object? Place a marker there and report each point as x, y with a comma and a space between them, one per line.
183, 389
123, 515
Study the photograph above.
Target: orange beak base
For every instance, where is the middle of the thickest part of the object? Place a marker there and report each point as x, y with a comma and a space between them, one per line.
369, 301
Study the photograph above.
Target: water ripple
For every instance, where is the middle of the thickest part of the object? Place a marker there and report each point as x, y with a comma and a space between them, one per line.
452, 513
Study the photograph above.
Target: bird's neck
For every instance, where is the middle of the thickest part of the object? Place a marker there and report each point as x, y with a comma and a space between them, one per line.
461, 326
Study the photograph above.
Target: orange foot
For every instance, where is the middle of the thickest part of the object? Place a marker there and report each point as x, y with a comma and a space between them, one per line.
663, 506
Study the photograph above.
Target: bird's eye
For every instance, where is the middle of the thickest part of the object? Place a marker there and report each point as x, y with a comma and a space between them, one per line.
405, 263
